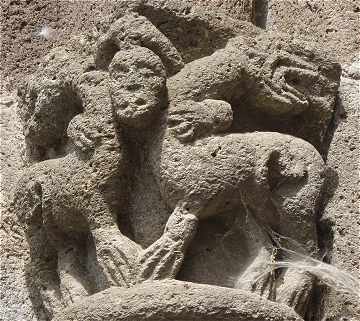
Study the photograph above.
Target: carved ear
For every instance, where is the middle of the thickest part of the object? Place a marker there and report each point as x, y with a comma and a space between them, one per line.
78, 134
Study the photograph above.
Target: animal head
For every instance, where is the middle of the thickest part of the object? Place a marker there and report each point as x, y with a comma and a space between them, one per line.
190, 120
96, 123
286, 77
46, 107
137, 86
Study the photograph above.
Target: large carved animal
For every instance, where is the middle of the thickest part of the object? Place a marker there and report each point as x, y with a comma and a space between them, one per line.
277, 177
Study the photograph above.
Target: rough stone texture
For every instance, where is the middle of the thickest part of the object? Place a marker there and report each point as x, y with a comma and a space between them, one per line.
125, 168
11, 152
178, 301
13, 248
23, 20
241, 10
334, 25
342, 211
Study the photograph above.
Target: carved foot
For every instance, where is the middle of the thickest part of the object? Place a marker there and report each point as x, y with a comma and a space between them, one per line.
257, 277
295, 290
50, 294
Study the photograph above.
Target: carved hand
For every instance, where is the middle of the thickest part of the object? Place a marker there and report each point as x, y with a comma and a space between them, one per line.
163, 258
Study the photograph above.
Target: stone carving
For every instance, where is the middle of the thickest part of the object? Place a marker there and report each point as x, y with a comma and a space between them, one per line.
174, 300
61, 201
136, 101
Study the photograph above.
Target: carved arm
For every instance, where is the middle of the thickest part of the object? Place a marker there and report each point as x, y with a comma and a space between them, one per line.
164, 257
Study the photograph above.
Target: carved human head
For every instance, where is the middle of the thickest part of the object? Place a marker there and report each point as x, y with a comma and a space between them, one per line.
137, 86
190, 120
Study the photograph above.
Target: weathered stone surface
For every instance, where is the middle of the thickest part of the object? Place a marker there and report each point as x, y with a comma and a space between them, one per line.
173, 141
176, 301
333, 25
14, 298
24, 25
11, 153
342, 210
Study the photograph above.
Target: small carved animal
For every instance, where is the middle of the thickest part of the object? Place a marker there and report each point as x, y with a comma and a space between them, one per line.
70, 207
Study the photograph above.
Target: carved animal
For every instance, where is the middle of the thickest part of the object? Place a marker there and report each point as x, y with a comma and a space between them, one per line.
60, 200
277, 177
70, 206
70, 209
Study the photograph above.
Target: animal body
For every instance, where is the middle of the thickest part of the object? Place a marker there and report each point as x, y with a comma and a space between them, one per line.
277, 177
70, 209
207, 171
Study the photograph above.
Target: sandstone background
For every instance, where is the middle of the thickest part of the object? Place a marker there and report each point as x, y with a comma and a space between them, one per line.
333, 24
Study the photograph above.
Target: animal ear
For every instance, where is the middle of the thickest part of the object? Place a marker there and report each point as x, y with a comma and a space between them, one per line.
77, 132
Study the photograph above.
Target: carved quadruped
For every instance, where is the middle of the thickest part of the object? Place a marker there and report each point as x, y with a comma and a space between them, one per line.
214, 137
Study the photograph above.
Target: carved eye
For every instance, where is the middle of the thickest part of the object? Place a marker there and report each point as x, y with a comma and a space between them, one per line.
120, 68
133, 87
292, 79
140, 101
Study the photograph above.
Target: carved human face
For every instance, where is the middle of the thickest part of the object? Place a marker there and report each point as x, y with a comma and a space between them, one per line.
137, 86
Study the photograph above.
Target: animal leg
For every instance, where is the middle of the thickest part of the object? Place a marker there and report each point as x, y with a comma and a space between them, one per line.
74, 278
70, 266
258, 276
295, 195
43, 272
43, 280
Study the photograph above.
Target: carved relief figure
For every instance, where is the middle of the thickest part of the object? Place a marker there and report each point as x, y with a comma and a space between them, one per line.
69, 205
277, 176
188, 117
